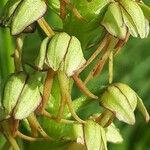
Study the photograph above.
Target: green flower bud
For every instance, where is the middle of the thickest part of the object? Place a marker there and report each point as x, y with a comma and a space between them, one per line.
134, 15
12, 90
62, 52
113, 21
29, 99
122, 101
19, 15
92, 135
21, 95
26, 13
57, 49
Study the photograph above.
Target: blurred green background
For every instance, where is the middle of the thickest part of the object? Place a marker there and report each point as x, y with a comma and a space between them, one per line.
132, 66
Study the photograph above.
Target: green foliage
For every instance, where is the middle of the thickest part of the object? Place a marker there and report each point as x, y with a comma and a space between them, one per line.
131, 67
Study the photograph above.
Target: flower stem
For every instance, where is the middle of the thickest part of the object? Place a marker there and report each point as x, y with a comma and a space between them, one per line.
66, 96
45, 27
35, 124
95, 54
106, 118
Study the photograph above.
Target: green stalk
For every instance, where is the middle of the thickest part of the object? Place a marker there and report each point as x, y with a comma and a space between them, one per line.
66, 97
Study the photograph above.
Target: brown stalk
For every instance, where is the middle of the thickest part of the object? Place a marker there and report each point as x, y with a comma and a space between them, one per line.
96, 53
99, 66
83, 88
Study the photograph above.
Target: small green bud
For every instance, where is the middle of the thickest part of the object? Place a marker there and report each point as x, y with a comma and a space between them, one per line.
26, 13
57, 48
21, 95
122, 101
12, 90
135, 12
29, 100
91, 135
61, 52
129, 23
113, 21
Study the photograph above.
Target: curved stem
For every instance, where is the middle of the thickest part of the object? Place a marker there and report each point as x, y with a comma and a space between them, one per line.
83, 88
120, 44
58, 119
28, 138
13, 142
62, 9
100, 65
35, 124
66, 96
7, 133
96, 53
63, 4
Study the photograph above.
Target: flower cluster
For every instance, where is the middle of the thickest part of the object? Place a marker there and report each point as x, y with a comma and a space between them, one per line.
27, 95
